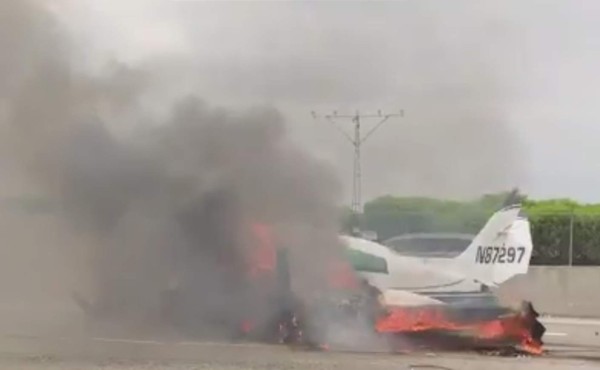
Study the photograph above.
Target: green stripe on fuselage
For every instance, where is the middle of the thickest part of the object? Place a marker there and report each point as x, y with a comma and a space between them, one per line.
365, 262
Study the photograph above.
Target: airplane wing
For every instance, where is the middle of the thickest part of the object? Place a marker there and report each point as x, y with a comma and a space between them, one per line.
405, 298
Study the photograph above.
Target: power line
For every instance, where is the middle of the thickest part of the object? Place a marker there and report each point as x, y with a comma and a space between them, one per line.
357, 140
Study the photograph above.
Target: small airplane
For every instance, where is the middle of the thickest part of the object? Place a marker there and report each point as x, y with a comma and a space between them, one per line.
406, 286
501, 250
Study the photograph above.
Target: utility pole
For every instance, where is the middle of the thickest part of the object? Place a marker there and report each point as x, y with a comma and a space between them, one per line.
357, 139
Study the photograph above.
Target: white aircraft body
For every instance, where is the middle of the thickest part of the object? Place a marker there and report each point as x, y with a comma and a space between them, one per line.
501, 250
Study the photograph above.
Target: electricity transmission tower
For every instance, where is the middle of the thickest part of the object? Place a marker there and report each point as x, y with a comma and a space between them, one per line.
357, 139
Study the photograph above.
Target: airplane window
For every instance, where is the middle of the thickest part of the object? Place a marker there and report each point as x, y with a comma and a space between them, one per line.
366, 262
429, 246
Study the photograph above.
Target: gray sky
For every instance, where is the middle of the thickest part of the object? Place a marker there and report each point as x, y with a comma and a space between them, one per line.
495, 93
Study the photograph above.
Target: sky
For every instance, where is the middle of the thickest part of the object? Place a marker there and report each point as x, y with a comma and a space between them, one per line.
494, 94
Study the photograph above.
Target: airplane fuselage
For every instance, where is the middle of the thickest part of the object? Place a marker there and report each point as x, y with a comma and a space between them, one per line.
415, 281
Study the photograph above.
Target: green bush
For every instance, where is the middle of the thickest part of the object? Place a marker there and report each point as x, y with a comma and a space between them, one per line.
550, 222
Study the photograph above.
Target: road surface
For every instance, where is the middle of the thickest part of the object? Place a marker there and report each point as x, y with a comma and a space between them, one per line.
571, 344
105, 353
572, 337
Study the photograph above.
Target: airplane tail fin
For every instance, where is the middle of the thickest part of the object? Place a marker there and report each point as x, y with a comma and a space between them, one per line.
501, 250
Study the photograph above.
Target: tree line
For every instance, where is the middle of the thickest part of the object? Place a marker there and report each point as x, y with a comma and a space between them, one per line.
556, 224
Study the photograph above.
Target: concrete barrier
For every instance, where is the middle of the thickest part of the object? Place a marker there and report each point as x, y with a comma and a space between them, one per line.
557, 290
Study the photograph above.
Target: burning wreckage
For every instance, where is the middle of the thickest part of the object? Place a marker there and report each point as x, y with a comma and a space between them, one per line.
363, 304
365, 300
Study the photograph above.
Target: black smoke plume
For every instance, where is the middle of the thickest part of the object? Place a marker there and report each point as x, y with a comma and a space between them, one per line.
163, 207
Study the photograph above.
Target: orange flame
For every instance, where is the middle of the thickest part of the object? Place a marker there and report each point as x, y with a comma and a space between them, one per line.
413, 320
410, 320
263, 253
342, 276
246, 326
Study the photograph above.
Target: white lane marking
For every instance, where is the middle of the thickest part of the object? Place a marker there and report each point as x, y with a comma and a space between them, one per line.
249, 345
173, 343
139, 341
133, 341
570, 321
551, 334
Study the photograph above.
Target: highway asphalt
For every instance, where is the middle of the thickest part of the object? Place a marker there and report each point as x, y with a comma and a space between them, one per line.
574, 337
110, 353
570, 343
